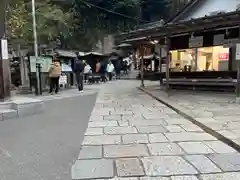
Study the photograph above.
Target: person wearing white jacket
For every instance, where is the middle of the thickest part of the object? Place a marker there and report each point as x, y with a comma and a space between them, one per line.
87, 70
110, 70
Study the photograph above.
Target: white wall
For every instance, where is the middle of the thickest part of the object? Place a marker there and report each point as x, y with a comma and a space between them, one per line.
214, 5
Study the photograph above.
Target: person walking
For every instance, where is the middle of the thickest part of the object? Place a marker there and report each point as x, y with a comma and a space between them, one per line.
98, 66
110, 69
87, 70
102, 71
125, 66
54, 75
118, 68
78, 69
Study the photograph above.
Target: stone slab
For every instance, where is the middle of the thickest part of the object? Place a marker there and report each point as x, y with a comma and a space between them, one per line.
94, 131
8, 114
191, 128
96, 118
222, 176
177, 121
89, 169
120, 130
152, 116
101, 139
123, 123
151, 129
121, 113
167, 166
184, 178
27, 106
219, 147
90, 152
129, 167
154, 178
112, 117
227, 162
135, 138
161, 149
202, 164
133, 150
189, 136
157, 137
147, 122
96, 124
119, 178
174, 128
195, 148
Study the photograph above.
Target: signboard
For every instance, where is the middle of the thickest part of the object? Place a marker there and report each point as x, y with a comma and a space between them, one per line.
153, 65
223, 56
66, 68
230, 42
63, 80
4, 48
238, 52
218, 39
44, 61
196, 42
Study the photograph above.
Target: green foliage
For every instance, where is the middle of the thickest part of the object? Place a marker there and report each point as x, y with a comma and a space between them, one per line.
52, 22
154, 10
94, 23
76, 24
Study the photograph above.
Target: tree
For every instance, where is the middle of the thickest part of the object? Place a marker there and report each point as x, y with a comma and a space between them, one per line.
154, 10
78, 24
52, 22
94, 22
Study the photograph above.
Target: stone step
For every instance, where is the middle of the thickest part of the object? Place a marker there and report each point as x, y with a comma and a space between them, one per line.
6, 105
6, 114
20, 107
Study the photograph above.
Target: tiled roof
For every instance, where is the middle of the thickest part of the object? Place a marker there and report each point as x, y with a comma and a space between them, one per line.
189, 6
160, 23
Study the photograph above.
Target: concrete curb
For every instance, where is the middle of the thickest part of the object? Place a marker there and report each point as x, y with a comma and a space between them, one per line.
217, 135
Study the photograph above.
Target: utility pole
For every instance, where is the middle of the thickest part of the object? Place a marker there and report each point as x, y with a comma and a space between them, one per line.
36, 46
5, 75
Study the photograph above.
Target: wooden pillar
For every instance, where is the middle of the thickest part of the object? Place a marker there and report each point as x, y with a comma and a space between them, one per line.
167, 43
142, 51
5, 75
160, 58
134, 58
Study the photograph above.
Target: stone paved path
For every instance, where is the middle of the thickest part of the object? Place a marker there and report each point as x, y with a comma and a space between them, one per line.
216, 111
131, 136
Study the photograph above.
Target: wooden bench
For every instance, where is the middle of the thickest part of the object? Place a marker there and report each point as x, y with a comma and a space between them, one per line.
202, 84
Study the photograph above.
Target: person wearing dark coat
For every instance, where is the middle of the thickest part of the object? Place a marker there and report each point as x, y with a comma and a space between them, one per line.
78, 68
118, 69
102, 71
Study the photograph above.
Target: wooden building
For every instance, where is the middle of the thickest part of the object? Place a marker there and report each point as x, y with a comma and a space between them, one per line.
200, 42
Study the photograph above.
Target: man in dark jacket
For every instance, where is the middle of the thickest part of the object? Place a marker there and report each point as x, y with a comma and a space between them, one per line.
78, 68
118, 68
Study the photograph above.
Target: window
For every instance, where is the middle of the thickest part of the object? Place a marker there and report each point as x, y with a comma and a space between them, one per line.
212, 58
200, 59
